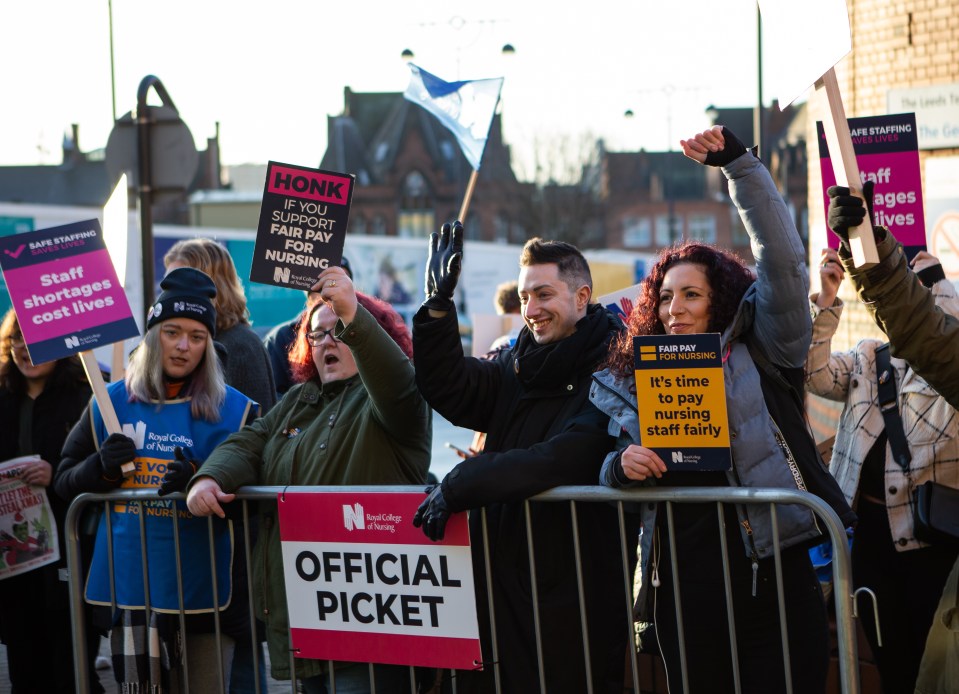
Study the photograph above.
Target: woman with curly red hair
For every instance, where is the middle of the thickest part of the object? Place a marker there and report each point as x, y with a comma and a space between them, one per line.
355, 418
764, 325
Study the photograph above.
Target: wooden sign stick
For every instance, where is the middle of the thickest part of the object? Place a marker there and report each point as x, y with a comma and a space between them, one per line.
117, 371
843, 158
110, 419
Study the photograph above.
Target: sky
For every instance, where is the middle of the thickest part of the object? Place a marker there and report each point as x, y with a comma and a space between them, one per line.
271, 73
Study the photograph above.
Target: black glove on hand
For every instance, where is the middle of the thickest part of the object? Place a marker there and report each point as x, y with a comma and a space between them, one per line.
846, 210
116, 451
178, 473
432, 514
443, 266
732, 149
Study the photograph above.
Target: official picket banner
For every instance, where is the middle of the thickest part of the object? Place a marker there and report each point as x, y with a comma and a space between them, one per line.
887, 151
681, 396
364, 585
302, 227
28, 530
65, 290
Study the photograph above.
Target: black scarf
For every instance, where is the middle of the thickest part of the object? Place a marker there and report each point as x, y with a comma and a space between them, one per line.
548, 366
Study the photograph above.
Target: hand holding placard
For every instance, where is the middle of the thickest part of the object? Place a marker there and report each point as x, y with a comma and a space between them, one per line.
110, 420
862, 244
681, 399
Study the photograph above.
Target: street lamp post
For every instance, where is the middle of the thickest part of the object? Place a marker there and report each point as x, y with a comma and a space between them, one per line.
674, 234
758, 111
459, 23
145, 176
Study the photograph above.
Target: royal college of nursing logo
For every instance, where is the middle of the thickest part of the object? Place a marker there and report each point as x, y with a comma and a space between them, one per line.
679, 457
353, 517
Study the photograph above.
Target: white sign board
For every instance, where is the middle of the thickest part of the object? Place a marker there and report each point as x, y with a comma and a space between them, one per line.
937, 112
792, 61
942, 212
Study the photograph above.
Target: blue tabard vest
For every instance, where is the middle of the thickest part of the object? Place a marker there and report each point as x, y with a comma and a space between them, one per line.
156, 431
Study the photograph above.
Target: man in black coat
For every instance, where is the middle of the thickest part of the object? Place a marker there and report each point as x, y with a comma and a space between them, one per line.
542, 432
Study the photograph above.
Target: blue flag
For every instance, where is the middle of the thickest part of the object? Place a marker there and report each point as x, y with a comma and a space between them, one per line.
466, 107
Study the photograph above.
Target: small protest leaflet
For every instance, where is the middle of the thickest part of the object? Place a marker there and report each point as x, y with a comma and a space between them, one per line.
681, 396
302, 227
28, 530
65, 290
887, 152
363, 584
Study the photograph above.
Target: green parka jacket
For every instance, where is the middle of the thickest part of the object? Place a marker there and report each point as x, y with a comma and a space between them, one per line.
372, 428
919, 332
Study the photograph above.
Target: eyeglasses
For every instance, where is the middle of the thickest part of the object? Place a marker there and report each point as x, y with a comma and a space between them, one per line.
317, 336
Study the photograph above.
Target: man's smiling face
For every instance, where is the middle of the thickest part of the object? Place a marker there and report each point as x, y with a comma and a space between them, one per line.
550, 308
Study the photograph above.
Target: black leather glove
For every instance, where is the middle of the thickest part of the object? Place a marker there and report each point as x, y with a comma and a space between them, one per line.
732, 149
178, 473
115, 452
432, 514
443, 266
846, 210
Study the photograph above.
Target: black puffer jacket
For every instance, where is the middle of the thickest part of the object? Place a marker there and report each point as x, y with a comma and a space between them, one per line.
542, 432
55, 411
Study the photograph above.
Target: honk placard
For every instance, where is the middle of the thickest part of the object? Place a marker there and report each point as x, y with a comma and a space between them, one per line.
681, 398
302, 227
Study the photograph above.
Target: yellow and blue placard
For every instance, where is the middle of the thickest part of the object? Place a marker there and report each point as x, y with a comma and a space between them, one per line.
681, 397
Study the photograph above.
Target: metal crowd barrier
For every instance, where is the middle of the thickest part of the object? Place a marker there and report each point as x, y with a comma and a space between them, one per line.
843, 592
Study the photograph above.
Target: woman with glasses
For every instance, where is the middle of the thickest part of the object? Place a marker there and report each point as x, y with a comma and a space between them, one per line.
355, 418
39, 403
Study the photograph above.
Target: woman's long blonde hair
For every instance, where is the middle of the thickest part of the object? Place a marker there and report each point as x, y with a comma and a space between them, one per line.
212, 258
145, 382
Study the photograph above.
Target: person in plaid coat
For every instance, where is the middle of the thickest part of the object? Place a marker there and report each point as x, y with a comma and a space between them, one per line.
907, 575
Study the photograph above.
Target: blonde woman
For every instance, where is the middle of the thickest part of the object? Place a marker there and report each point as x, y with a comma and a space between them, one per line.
247, 365
177, 408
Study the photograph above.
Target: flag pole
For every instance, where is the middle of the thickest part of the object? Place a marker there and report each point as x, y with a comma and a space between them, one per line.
469, 195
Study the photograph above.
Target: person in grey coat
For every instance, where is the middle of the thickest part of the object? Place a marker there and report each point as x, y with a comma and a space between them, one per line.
695, 288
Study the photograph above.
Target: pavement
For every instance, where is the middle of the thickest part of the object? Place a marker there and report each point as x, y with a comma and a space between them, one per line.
444, 459
110, 684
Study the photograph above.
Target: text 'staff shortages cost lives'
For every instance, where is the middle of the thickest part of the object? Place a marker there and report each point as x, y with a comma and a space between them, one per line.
65, 290
887, 152
302, 227
681, 396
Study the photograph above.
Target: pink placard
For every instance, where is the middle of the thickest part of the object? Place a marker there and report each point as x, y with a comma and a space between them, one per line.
363, 584
887, 154
67, 295
65, 290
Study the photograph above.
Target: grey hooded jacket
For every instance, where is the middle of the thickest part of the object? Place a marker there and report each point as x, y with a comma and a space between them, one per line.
774, 315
